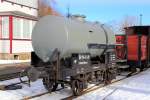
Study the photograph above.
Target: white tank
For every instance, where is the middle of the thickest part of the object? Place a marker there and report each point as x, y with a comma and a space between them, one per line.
68, 36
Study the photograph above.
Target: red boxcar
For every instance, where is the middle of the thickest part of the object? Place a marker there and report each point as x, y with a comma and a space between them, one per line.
136, 47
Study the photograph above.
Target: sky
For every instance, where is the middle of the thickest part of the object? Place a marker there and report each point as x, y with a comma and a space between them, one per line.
107, 11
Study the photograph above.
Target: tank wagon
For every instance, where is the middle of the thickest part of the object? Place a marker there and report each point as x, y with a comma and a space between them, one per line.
72, 52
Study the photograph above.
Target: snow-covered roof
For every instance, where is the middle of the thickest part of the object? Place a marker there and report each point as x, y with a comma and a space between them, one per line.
19, 14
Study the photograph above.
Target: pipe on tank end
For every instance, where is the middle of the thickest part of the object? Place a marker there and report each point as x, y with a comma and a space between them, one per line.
46, 59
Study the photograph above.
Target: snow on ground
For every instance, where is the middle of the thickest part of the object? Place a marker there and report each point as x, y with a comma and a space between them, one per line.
13, 61
36, 88
133, 88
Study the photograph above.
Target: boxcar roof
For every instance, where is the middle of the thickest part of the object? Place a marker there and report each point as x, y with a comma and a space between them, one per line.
137, 27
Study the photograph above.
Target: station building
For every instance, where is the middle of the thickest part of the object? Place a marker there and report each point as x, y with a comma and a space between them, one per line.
17, 19
15, 34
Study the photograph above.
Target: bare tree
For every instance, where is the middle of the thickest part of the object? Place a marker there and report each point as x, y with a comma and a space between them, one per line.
118, 26
128, 21
45, 8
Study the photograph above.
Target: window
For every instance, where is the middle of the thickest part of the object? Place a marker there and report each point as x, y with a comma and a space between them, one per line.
26, 29
0, 26
5, 27
22, 28
33, 24
17, 28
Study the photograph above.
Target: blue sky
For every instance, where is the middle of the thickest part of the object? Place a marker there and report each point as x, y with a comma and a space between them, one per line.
107, 11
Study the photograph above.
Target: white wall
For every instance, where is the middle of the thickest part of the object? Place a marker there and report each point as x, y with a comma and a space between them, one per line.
21, 46
4, 46
5, 6
17, 46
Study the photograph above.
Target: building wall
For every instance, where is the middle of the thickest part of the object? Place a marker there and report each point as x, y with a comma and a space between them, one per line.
20, 43
17, 47
21, 29
5, 6
4, 46
21, 46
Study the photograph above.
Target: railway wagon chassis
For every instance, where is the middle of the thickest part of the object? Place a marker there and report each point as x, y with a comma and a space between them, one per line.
77, 71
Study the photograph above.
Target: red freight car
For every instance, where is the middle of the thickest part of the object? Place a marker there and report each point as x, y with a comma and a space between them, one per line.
136, 47
120, 47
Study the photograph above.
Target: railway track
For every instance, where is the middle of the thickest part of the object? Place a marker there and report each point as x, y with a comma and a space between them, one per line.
98, 87
10, 76
13, 76
10, 71
90, 89
38, 95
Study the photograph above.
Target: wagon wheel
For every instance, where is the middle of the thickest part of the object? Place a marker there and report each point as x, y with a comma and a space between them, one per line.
50, 83
107, 79
76, 87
